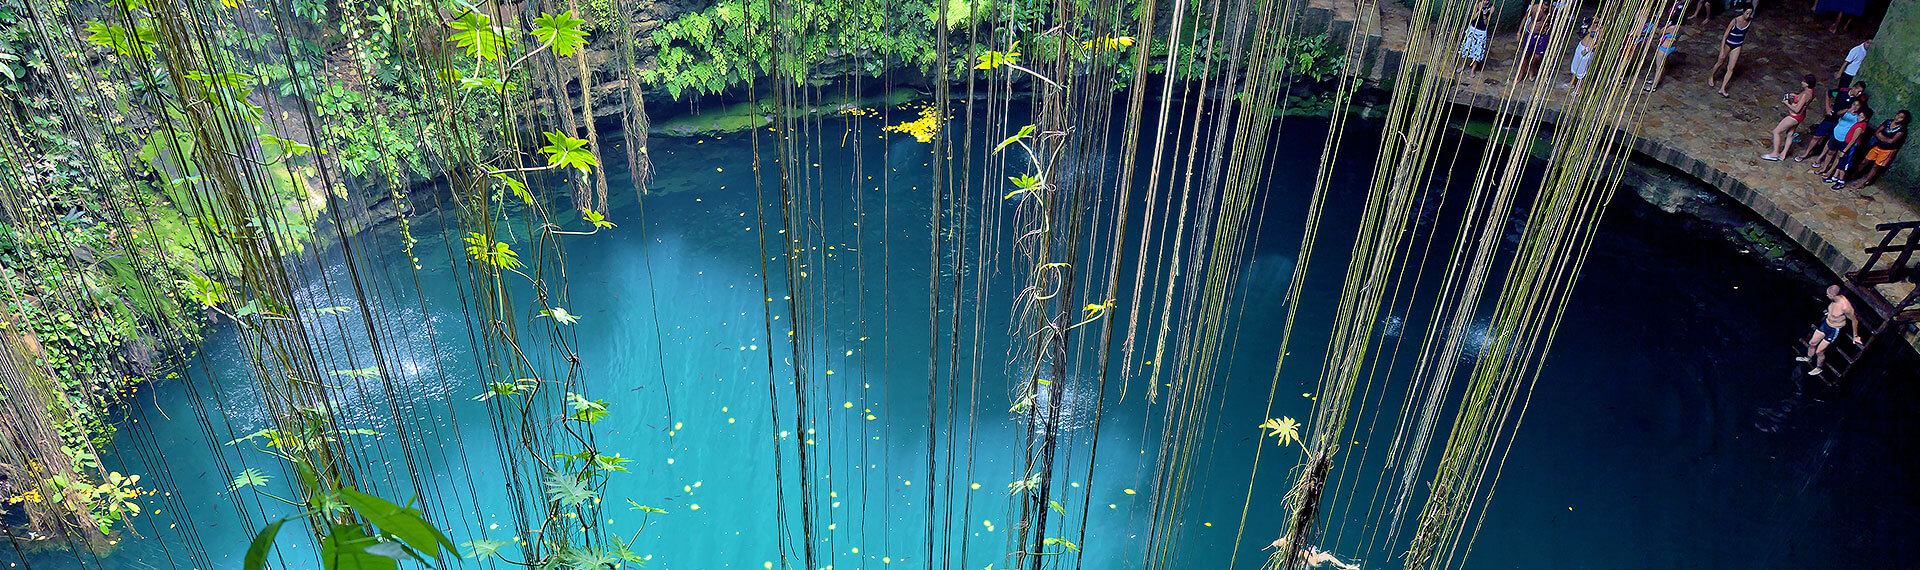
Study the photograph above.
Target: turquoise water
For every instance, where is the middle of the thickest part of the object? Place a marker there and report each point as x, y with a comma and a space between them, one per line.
1669, 429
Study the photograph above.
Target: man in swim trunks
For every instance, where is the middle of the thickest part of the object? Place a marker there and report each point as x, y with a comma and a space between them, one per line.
1533, 37
1839, 314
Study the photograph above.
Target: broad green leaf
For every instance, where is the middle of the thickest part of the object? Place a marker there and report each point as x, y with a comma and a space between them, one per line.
560, 315
484, 249
643, 508
262, 543
562, 31
1025, 132
287, 147
484, 549
519, 189
122, 41
565, 151
480, 37
610, 462
345, 548
1055, 505
568, 490
402, 523
1056, 541
588, 559
598, 220
391, 550
249, 478
995, 59
1023, 183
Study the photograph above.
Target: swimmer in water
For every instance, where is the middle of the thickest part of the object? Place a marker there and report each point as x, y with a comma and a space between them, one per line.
1316, 558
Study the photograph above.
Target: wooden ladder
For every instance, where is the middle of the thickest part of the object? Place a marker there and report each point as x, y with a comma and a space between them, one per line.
1883, 316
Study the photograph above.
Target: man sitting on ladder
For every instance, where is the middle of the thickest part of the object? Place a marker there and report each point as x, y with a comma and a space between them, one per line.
1839, 314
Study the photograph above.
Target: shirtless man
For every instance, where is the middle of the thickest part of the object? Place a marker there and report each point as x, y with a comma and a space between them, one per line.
1839, 314
1533, 37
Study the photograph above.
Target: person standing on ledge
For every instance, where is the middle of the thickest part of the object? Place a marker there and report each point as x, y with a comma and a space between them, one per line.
1730, 49
1839, 99
1839, 314
1886, 143
1844, 12
1533, 38
1668, 36
1583, 58
1797, 104
1851, 67
1473, 47
1853, 127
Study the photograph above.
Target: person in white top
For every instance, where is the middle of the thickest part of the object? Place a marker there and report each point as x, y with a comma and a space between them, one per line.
1852, 67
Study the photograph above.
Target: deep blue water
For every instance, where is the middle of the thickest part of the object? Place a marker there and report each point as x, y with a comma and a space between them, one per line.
1669, 428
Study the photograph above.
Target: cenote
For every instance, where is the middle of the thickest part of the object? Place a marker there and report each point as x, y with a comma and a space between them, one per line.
1668, 427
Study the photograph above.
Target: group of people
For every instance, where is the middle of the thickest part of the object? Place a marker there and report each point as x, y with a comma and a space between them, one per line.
1663, 32
1846, 146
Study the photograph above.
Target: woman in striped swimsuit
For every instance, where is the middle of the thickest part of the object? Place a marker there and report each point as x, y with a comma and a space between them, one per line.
1730, 49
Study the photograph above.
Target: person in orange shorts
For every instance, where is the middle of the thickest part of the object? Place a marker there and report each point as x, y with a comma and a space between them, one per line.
1886, 143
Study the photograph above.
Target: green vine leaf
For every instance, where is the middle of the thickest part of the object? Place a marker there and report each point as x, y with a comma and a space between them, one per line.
122, 41
345, 548
288, 147
565, 151
560, 315
207, 291
995, 59
561, 31
483, 249
1024, 183
590, 411
1025, 132
598, 220
484, 549
263, 543
568, 489
403, 523
588, 559
643, 508
480, 37
249, 478
610, 462
519, 188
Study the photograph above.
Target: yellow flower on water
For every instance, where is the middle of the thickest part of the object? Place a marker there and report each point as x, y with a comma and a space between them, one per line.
923, 128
